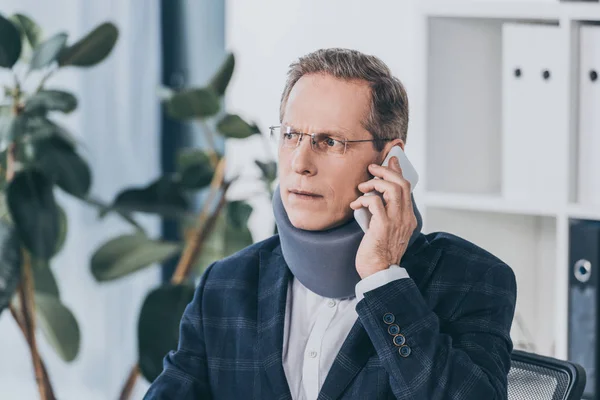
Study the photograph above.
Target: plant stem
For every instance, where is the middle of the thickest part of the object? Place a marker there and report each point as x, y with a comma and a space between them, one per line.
193, 246
130, 383
28, 312
195, 242
208, 133
44, 79
21, 325
25, 291
10, 162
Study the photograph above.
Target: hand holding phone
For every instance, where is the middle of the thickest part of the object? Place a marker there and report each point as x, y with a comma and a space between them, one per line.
363, 215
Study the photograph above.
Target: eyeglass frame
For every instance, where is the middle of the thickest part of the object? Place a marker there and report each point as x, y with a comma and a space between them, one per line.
312, 137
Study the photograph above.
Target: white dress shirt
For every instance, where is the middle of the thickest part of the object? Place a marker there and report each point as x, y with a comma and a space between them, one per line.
315, 328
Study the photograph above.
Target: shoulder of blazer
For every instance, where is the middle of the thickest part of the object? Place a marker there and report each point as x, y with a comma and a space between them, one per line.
462, 259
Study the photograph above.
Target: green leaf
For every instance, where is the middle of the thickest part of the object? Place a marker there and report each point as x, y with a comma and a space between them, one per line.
10, 43
91, 49
15, 129
268, 169
237, 239
103, 209
163, 196
221, 79
39, 127
63, 226
43, 278
229, 235
237, 234
46, 52
238, 213
126, 254
213, 247
195, 169
50, 100
34, 211
233, 126
59, 162
193, 103
3, 181
29, 29
59, 326
164, 92
10, 262
158, 326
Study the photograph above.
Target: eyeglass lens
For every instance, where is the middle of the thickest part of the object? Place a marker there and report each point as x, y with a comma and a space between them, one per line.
321, 143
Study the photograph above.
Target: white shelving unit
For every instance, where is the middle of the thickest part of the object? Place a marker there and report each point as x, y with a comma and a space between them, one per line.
460, 114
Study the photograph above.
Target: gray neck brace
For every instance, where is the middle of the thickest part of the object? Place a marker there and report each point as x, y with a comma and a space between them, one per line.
324, 261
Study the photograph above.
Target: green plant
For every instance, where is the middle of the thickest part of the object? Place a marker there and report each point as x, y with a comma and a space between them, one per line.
37, 157
219, 230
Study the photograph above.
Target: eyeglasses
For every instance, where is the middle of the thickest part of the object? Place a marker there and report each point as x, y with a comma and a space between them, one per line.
321, 143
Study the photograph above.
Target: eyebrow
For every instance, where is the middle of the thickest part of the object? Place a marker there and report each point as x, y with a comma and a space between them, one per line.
329, 131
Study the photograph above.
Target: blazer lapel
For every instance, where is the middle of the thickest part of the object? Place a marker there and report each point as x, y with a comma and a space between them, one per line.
354, 354
274, 276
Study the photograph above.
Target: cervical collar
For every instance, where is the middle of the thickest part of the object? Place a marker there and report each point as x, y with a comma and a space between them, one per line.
324, 261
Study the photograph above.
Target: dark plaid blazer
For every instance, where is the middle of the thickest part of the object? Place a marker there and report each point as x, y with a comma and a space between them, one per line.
455, 313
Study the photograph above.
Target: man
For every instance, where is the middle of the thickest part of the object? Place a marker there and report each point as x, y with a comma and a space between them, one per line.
324, 310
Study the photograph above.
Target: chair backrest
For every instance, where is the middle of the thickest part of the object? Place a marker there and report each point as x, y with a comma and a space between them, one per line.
536, 377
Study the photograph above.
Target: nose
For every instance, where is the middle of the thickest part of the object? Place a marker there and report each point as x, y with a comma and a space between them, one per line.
303, 158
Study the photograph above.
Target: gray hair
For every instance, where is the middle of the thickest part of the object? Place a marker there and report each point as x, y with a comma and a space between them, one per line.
388, 117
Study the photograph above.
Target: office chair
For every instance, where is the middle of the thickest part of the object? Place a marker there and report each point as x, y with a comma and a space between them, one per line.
536, 377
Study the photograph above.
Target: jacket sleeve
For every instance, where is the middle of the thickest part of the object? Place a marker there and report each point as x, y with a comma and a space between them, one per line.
468, 359
185, 371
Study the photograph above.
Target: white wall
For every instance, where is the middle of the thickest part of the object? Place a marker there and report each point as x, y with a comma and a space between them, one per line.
267, 35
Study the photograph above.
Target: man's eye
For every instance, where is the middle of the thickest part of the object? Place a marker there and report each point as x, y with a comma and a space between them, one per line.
332, 142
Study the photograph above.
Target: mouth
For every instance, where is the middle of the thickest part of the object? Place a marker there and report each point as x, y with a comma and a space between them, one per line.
304, 195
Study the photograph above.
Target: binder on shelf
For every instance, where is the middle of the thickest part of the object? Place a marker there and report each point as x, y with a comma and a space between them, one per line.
588, 161
533, 113
584, 301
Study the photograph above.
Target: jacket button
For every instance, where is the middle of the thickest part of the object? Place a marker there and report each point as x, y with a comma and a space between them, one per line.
404, 351
399, 340
389, 318
393, 329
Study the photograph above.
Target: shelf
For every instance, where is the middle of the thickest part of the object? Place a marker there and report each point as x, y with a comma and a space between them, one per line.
518, 10
493, 9
583, 11
472, 185
487, 203
583, 212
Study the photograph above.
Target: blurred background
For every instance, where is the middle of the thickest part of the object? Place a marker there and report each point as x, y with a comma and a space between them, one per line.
116, 119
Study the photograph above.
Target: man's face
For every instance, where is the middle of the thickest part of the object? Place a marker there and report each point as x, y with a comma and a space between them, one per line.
323, 104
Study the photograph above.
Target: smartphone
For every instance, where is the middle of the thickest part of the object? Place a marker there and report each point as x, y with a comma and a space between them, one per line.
363, 215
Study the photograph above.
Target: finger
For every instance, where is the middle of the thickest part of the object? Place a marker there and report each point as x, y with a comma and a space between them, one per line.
392, 174
407, 200
373, 203
389, 175
392, 192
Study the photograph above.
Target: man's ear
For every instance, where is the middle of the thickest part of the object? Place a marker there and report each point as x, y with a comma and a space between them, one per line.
389, 145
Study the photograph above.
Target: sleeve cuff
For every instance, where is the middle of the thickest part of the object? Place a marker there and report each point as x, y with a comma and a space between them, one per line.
379, 279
